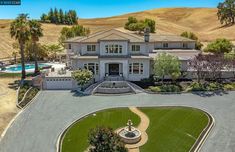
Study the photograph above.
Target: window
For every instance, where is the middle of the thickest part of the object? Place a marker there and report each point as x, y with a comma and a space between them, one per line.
135, 48
136, 68
69, 46
91, 48
113, 49
93, 67
185, 45
165, 45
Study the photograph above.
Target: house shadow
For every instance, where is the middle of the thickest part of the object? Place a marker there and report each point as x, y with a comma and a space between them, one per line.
79, 93
210, 93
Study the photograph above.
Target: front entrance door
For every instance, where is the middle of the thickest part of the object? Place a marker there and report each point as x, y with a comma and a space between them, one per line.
113, 69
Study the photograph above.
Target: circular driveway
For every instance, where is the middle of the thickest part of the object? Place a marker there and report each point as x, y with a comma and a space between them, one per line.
38, 127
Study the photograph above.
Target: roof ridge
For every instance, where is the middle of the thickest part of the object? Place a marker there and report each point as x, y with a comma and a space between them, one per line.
112, 34
130, 34
95, 34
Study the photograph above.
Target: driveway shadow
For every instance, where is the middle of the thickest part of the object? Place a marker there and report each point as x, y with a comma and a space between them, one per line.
79, 93
210, 93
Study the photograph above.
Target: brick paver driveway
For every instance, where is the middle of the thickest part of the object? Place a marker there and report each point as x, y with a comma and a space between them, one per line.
37, 128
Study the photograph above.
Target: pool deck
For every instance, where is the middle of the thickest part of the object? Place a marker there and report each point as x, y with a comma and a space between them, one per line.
38, 127
55, 65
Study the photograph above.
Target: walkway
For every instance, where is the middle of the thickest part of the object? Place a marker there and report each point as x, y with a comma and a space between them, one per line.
143, 126
39, 126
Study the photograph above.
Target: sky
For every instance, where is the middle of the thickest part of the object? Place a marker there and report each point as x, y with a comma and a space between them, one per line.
97, 8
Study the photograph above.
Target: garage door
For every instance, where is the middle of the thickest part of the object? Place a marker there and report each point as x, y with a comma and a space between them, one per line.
58, 83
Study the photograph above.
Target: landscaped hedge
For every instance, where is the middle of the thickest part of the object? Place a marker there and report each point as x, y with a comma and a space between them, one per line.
29, 96
192, 87
23, 89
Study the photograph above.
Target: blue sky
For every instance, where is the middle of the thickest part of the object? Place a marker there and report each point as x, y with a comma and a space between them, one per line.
97, 8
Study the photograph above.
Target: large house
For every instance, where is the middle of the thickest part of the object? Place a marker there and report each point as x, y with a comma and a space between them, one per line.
121, 54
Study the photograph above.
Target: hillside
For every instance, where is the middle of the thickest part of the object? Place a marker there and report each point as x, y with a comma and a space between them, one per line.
202, 21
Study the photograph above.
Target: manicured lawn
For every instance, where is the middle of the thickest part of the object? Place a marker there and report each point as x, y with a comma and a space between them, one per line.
75, 139
173, 129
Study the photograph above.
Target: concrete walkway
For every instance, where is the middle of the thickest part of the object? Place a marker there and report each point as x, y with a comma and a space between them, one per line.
143, 126
38, 127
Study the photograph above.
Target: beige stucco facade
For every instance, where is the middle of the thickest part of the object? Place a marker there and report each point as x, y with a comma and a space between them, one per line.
116, 53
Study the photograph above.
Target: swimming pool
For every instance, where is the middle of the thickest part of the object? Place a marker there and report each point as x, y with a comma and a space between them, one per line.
28, 67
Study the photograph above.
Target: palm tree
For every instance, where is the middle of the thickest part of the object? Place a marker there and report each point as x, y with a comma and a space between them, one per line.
35, 32
19, 30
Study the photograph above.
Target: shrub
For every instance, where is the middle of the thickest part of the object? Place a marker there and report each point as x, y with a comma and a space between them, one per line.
170, 88
154, 89
195, 86
213, 86
229, 87
22, 91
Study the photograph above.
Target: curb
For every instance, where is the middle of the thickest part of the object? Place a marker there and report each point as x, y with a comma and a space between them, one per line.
198, 146
16, 116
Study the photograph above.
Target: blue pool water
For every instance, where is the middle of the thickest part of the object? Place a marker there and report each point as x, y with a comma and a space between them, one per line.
18, 67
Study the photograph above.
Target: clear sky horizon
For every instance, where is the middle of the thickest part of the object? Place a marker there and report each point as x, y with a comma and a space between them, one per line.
97, 8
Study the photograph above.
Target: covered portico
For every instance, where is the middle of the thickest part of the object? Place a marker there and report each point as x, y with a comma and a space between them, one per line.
114, 67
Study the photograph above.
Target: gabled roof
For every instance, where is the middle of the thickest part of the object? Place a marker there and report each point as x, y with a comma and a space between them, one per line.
115, 34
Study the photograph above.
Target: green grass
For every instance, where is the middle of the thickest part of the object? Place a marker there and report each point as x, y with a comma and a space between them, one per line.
173, 129
76, 139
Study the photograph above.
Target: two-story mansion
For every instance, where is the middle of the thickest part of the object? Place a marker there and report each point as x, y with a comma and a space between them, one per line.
113, 53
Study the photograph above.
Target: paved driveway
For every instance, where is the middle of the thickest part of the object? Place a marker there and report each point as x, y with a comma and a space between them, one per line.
38, 127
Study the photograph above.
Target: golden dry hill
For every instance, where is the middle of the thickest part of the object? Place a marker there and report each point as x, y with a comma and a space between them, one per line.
202, 21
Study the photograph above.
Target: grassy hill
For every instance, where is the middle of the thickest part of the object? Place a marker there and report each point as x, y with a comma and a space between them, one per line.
202, 21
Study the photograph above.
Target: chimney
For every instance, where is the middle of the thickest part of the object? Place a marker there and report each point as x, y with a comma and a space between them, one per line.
146, 34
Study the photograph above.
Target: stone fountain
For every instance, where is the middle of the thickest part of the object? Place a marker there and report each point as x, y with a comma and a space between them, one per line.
129, 134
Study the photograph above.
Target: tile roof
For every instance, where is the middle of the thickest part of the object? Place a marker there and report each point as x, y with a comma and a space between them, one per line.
115, 34
182, 54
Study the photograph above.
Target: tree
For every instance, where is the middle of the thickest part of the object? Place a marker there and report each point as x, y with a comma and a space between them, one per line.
131, 20
219, 46
134, 25
192, 36
19, 29
56, 16
151, 24
104, 139
14, 54
82, 77
77, 30
53, 50
167, 65
198, 66
35, 32
61, 16
226, 12
215, 65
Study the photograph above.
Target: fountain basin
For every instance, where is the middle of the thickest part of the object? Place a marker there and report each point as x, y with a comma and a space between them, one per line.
130, 137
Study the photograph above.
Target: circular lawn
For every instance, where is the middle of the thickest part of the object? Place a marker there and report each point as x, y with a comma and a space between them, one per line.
170, 129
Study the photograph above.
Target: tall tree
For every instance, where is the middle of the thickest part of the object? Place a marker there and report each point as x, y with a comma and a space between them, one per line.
226, 12
167, 65
193, 36
219, 46
19, 29
35, 32
61, 14
51, 15
56, 16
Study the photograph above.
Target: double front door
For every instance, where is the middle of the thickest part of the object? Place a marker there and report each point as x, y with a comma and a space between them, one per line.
114, 69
